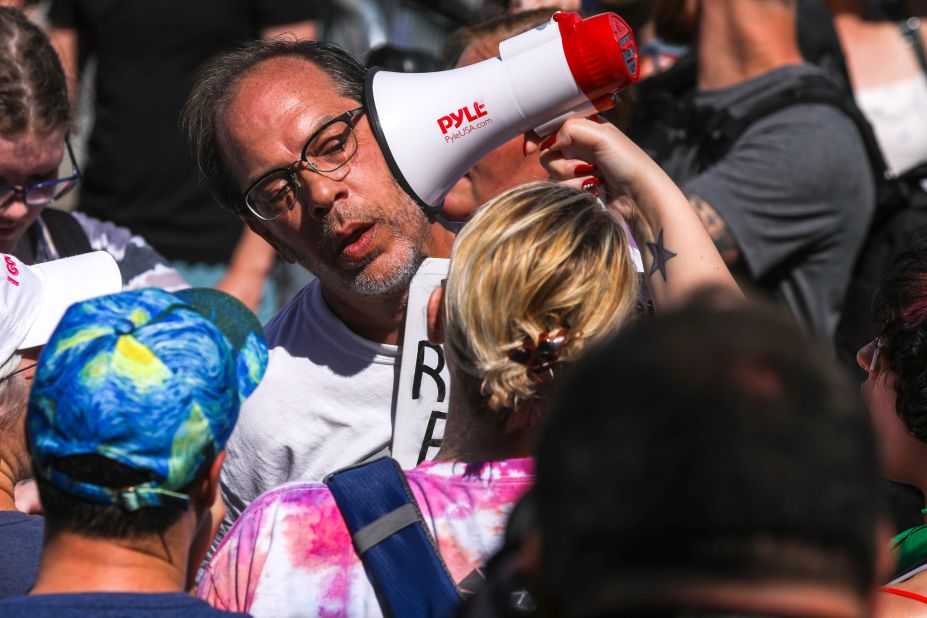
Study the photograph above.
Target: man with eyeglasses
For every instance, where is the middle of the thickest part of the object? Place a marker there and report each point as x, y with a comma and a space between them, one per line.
32, 301
281, 135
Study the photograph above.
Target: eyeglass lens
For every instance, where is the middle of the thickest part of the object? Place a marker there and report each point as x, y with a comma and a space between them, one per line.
45, 192
327, 152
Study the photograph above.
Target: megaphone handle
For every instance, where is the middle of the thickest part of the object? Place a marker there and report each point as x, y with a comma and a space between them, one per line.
584, 109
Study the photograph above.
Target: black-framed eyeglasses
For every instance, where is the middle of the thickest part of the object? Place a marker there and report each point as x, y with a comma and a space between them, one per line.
327, 150
46, 192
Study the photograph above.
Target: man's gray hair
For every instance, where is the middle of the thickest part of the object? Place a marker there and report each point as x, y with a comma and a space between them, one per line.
215, 85
14, 394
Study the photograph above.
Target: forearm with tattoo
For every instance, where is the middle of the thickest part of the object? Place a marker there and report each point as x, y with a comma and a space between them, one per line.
717, 229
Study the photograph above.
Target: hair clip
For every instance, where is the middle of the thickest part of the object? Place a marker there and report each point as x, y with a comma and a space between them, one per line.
541, 357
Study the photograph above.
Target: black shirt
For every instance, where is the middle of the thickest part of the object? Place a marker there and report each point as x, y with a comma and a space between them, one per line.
140, 173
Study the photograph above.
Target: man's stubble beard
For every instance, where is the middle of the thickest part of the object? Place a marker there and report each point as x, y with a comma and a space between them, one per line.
402, 264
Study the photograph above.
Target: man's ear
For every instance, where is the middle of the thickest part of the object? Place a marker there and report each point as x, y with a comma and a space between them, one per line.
208, 488
436, 316
256, 226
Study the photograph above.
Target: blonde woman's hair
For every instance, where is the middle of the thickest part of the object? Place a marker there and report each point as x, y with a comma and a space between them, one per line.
537, 258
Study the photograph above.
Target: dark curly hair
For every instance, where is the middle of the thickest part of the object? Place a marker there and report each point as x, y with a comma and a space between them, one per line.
33, 90
900, 310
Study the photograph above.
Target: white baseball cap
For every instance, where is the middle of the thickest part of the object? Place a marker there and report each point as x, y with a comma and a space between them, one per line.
34, 298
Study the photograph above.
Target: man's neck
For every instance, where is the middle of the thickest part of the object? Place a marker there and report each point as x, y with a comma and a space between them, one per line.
72, 563
374, 318
382, 319
7, 486
739, 40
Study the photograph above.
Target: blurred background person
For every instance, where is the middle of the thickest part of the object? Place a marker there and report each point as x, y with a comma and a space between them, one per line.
655, 54
139, 172
363, 26
31, 8
32, 301
709, 462
884, 44
38, 167
895, 392
789, 197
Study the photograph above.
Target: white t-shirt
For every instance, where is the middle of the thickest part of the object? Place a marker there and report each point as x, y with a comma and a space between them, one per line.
325, 402
898, 114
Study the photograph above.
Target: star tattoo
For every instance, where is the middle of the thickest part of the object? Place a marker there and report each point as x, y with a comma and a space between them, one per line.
661, 256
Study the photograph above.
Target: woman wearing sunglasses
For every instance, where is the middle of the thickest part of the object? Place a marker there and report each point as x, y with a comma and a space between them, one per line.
38, 168
895, 392
537, 275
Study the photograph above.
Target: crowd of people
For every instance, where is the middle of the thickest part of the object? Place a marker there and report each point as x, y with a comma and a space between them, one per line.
610, 376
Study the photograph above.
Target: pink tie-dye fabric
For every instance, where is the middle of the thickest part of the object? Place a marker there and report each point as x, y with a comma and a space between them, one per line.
290, 554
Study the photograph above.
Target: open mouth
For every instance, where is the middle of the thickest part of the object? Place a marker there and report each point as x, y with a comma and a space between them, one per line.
355, 242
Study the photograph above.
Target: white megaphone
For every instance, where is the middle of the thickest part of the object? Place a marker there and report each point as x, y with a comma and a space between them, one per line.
433, 127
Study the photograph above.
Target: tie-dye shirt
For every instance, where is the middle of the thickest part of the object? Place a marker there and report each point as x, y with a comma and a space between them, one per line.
290, 554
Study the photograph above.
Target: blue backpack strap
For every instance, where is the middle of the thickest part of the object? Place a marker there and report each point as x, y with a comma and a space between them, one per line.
390, 537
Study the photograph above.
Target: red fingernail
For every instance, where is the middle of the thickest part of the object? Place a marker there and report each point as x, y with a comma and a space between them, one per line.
547, 143
591, 185
579, 170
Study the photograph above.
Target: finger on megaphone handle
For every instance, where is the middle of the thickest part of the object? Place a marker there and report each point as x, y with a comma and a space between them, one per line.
534, 142
562, 168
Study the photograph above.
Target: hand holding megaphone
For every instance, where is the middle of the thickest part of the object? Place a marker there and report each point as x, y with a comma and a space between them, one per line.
597, 157
433, 127
663, 223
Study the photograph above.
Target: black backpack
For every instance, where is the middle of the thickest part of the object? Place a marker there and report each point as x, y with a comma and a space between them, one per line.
901, 203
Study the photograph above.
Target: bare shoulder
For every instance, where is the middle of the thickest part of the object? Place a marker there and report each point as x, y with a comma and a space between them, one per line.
893, 605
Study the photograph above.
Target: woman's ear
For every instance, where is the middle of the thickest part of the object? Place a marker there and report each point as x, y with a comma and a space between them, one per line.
436, 316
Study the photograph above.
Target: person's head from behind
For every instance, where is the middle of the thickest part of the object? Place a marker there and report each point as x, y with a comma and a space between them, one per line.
895, 390
280, 133
34, 119
711, 458
507, 166
540, 272
132, 403
32, 301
